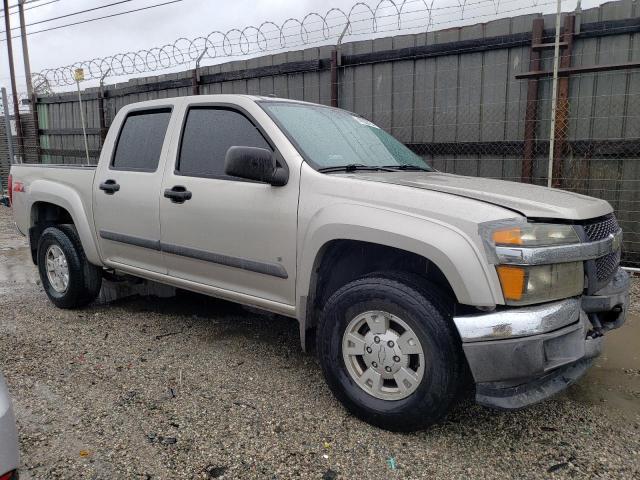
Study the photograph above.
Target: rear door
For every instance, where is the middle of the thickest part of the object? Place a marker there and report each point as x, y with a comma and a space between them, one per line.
127, 189
229, 233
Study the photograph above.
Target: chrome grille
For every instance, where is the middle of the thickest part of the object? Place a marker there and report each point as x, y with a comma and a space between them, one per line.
605, 266
601, 229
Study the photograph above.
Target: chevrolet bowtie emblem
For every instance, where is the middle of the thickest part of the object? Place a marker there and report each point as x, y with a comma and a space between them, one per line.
616, 241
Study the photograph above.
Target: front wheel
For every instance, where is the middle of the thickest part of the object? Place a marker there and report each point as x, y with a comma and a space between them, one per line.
69, 280
388, 351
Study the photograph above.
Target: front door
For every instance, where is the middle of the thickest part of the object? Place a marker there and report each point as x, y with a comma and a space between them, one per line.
126, 192
222, 231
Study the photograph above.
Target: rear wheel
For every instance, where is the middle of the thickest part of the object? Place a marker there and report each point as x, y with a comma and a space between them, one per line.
388, 351
69, 280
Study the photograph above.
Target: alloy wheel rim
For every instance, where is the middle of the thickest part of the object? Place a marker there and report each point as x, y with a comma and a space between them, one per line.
383, 355
57, 269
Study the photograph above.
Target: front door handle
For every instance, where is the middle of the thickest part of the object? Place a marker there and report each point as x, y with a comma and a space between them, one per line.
109, 187
177, 194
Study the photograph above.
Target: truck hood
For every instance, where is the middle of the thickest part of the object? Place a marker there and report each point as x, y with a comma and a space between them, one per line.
529, 200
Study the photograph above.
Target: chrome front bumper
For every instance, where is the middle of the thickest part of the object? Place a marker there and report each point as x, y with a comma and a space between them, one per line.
520, 356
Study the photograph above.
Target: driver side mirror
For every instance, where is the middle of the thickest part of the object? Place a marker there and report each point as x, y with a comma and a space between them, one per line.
258, 164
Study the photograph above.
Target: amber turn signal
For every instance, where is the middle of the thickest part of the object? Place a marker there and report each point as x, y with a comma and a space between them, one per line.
512, 280
511, 236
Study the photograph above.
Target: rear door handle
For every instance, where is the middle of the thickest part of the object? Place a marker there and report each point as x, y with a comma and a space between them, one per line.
177, 194
109, 187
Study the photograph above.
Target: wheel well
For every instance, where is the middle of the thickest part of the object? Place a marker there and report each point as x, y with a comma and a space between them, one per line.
44, 215
342, 261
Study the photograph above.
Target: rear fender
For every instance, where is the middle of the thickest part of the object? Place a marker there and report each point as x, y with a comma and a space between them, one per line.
66, 197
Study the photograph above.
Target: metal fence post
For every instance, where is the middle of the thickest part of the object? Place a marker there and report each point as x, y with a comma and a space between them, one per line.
195, 76
336, 61
334, 78
84, 130
101, 110
36, 125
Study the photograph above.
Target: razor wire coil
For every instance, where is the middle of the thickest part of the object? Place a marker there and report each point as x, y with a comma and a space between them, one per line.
312, 28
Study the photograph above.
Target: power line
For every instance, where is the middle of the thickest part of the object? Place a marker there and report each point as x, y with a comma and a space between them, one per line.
72, 14
80, 22
15, 5
39, 5
29, 8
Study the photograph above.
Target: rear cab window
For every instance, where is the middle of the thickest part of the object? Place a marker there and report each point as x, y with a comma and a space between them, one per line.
140, 140
207, 135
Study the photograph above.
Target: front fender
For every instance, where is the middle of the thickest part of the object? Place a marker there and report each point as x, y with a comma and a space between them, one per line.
69, 199
450, 249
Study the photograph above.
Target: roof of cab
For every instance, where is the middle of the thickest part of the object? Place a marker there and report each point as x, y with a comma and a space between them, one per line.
221, 97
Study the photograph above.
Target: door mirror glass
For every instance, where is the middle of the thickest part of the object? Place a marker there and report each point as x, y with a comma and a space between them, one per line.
254, 163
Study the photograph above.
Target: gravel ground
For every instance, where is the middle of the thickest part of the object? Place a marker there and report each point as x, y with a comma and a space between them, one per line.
191, 387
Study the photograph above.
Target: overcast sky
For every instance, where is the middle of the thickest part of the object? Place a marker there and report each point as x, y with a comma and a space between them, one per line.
193, 18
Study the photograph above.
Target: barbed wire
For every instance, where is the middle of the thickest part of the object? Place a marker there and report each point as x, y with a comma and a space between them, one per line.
311, 29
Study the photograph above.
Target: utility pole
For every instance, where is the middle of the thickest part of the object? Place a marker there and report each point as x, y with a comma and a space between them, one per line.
12, 73
25, 54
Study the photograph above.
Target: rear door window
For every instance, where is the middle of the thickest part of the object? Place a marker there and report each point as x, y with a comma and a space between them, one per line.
140, 141
208, 134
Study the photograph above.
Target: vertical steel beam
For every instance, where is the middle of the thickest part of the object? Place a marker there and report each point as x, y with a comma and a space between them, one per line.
36, 126
195, 84
102, 114
195, 77
334, 78
336, 61
530, 120
82, 121
101, 117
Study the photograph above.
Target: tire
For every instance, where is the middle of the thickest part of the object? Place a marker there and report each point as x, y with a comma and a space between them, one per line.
84, 279
424, 312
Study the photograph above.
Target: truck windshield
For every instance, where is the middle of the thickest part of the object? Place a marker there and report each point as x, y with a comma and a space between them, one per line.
329, 138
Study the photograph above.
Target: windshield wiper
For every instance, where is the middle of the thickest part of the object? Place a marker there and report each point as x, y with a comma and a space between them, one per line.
407, 166
352, 167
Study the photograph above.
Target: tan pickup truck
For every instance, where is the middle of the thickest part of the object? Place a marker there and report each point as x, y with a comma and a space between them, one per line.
416, 285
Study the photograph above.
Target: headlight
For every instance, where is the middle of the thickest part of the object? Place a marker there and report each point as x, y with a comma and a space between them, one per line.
534, 235
523, 285
528, 284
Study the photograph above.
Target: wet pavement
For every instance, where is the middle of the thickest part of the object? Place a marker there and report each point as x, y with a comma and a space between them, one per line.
614, 381
198, 388
16, 268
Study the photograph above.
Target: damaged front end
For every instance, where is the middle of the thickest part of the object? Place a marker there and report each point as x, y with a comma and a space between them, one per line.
521, 355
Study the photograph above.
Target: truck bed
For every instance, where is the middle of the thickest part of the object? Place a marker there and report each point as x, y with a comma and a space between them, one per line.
50, 182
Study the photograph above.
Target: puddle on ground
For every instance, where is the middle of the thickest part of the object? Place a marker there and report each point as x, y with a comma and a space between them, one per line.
16, 267
614, 380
